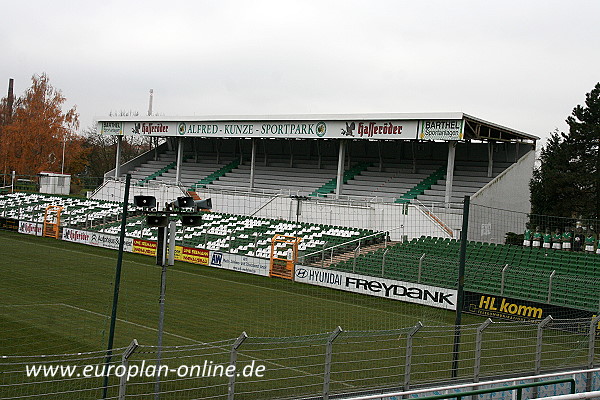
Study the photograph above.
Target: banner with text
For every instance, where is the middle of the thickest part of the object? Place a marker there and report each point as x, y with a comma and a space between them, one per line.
327, 129
380, 287
30, 228
96, 239
192, 255
10, 224
146, 247
441, 130
494, 306
240, 263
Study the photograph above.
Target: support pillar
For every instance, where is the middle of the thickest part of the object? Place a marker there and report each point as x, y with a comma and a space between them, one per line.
252, 164
340, 170
179, 160
490, 170
118, 157
450, 171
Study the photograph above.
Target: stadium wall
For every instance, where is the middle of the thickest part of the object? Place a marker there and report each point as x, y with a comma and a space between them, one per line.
508, 191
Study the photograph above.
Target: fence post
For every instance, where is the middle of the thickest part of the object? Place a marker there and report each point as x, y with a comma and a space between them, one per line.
328, 355
460, 294
409, 348
550, 285
383, 262
592, 351
478, 341
538, 349
232, 361
420, 267
503, 279
125, 362
356, 250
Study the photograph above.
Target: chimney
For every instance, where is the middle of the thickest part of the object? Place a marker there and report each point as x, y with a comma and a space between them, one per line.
10, 100
150, 103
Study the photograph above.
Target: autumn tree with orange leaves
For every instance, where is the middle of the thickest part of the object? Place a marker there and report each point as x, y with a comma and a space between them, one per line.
33, 136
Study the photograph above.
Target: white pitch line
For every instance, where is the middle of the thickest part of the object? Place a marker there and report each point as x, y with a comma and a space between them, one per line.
32, 305
132, 323
190, 339
242, 283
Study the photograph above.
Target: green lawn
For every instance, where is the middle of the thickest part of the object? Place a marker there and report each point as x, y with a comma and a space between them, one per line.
56, 298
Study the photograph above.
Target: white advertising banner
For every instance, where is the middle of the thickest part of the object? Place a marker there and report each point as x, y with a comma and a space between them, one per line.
95, 239
379, 287
240, 263
30, 228
351, 129
76, 236
110, 241
441, 130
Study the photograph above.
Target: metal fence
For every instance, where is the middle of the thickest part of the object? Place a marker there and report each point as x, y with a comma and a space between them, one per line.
315, 366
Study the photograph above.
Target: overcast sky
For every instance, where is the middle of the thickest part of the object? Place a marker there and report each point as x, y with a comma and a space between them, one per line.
522, 64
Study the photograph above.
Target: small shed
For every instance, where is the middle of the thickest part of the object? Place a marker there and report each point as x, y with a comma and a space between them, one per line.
55, 183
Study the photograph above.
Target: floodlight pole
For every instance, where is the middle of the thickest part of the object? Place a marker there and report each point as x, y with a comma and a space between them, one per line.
163, 238
461, 284
166, 235
161, 321
113, 316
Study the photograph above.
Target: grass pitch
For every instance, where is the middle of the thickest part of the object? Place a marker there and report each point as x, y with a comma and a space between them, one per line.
57, 297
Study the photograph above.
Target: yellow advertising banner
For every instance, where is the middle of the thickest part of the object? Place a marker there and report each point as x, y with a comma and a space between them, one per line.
146, 247
192, 255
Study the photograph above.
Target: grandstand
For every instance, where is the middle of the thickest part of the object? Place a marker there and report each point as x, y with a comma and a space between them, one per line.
426, 161
376, 201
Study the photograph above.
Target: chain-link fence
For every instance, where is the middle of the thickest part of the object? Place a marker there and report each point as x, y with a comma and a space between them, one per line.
316, 366
550, 293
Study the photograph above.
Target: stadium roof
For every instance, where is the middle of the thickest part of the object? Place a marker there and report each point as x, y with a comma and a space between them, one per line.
378, 126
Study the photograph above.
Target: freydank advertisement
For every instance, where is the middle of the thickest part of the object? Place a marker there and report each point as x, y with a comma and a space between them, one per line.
30, 228
379, 287
516, 310
239, 263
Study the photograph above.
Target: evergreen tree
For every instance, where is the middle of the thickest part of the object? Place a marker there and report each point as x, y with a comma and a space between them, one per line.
583, 141
567, 182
